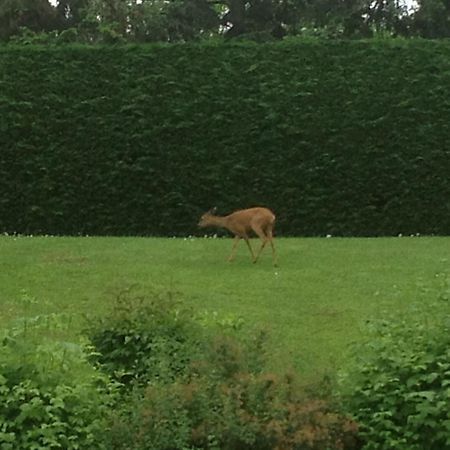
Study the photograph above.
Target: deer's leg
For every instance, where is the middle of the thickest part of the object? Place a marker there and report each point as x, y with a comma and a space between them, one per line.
265, 238
263, 244
250, 248
233, 248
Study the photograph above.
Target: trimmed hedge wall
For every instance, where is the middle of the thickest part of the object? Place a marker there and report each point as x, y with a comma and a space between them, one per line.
342, 138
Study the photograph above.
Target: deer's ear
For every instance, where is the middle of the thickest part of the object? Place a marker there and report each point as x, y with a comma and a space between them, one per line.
213, 210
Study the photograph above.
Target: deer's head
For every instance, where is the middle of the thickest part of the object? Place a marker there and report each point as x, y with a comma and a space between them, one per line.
205, 219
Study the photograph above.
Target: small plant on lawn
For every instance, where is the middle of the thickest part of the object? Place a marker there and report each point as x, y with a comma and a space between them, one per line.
399, 389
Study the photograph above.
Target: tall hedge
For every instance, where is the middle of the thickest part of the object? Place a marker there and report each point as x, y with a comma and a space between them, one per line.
342, 138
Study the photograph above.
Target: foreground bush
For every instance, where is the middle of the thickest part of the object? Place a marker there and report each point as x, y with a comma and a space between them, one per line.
144, 338
203, 384
244, 411
50, 397
399, 392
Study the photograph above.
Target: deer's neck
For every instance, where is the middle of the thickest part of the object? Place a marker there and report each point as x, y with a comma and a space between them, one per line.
218, 221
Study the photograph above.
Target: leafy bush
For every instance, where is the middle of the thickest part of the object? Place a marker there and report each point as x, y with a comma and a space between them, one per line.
50, 397
202, 383
399, 391
144, 339
63, 415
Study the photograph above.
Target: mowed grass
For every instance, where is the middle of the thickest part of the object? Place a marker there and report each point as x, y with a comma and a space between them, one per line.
314, 304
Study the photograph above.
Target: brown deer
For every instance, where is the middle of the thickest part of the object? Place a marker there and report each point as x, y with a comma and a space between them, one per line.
259, 220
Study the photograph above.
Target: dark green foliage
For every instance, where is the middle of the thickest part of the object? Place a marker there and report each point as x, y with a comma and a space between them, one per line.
399, 389
35, 15
345, 138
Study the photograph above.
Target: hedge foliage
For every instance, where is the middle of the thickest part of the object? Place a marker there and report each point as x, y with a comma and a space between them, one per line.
344, 138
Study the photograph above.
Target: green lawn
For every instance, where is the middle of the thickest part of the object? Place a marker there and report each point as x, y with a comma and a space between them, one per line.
314, 303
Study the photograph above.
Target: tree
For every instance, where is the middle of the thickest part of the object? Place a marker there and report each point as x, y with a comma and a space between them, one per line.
36, 15
148, 22
191, 19
114, 21
390, 16
71, 12
432, 19
260, 17
153, 20
113, 13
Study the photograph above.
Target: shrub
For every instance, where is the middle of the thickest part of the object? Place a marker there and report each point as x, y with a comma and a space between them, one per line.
50, 397
144, 339
244, 411
202, 383
399, 390
240, 411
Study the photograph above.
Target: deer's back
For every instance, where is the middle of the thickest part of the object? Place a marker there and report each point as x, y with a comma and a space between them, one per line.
247, 218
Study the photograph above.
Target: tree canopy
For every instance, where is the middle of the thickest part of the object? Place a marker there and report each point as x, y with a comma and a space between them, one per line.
137, 21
